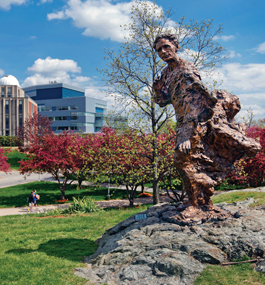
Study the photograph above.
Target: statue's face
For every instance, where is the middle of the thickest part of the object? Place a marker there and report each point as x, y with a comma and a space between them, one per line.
167, 51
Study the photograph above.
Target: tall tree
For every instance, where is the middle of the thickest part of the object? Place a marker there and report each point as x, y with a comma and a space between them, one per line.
34, 129
132, 69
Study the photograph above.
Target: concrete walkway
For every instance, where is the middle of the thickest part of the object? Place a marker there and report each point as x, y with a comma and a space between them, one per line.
14, 178
25, 210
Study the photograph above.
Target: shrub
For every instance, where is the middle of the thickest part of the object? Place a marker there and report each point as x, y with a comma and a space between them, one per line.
82, 205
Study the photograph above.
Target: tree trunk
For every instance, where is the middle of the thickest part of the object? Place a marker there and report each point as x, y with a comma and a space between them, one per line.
62, 195
142, 188
155, 192
80, 182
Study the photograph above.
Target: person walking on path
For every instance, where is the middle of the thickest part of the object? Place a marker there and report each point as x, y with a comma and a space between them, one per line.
31, 201
35, 197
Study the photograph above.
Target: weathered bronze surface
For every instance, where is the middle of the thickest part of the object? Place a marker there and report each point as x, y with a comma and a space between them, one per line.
208, 140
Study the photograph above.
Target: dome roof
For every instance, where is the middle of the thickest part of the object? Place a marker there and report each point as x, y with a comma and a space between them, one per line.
9, 80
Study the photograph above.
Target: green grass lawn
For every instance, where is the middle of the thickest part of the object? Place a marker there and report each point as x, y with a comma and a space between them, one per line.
45, 251
16, 196
14, 157
239, 274
230, 197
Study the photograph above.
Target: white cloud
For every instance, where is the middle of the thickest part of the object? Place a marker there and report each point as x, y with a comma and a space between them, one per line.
6, 4
60, 70
233, 54
261, 48
247, 82
2, 72
240, 77
45, 1
98, 18
224, 38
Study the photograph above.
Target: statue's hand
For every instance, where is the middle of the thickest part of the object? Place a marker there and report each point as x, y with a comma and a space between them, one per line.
185, 147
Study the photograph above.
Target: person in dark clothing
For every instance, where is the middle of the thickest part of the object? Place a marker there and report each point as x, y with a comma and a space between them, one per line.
31, 201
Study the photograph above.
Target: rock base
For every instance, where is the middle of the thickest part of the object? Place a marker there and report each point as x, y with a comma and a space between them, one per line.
156, 247
184, 215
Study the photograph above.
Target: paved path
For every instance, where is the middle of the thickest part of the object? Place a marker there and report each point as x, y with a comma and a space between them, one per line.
15, 178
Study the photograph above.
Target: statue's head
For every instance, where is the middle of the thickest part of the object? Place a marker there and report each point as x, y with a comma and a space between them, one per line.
167, 46
170, 37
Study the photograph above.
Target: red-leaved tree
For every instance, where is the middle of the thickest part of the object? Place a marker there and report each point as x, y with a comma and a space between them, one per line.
4, 166
34, 129
250, 171
52, 155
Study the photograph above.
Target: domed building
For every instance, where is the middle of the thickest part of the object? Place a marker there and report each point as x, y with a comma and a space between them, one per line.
15, 107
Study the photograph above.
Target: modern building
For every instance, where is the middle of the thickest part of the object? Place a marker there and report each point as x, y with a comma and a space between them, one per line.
15, 107
68, 107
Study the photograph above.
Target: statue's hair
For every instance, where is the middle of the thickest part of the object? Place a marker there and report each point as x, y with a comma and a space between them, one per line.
171, 37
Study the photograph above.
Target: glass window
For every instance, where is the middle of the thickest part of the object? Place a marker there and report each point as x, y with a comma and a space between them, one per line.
61, 108
7, 107
20, 107
62, 128
74, 128
9, 91
20, 120
3, 91
74, 107
7, 121
41, 108
74, 117
99, 110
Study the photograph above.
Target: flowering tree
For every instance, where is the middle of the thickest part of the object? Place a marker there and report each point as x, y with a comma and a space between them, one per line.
251, 170
84, 155
128, 158
4, 166
34, 129
52, 155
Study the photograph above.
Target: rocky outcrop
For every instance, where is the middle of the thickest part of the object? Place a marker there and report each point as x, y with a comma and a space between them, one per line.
148, 248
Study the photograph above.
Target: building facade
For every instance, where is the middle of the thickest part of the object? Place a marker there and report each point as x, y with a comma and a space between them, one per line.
15, 107
68, 107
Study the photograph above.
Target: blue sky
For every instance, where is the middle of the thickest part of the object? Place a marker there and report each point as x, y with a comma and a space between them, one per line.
44, 40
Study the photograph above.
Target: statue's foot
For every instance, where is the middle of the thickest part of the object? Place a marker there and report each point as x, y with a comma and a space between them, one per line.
191, 215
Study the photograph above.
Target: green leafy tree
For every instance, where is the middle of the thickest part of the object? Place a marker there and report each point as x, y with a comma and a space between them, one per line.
132, 69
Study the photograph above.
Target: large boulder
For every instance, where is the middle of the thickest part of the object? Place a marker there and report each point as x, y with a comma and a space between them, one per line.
148, 248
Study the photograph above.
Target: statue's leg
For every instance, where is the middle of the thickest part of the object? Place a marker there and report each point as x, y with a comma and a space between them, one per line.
199, 185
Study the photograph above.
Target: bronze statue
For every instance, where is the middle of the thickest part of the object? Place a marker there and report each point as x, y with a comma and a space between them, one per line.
209, 140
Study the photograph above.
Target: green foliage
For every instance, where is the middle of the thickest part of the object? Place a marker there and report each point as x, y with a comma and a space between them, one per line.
14, 157
10, 141
227, 185
82, 205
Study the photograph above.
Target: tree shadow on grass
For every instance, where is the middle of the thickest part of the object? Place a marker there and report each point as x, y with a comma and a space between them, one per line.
68, 248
